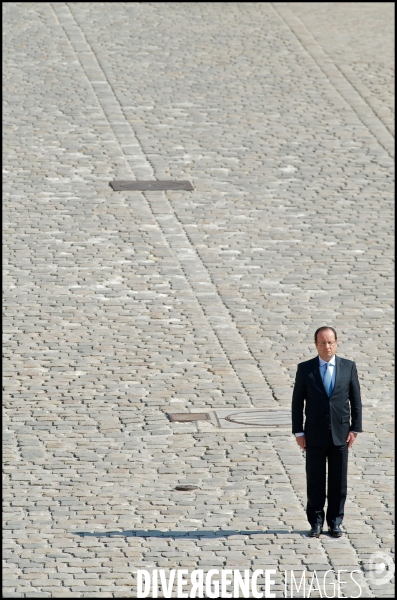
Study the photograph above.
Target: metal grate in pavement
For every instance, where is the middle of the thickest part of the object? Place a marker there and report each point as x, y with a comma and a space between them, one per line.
186, 417
145, 186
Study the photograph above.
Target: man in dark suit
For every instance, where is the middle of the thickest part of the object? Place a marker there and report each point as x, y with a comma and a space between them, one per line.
328, 392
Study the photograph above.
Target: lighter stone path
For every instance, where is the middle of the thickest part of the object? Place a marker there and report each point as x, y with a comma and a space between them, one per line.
343, 81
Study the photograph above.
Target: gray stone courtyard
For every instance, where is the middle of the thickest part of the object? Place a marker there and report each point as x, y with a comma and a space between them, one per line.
123, 307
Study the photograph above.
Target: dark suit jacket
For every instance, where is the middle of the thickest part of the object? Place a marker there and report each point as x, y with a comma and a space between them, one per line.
343, 410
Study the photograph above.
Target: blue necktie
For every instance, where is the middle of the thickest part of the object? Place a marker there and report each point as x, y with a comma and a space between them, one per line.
327, 379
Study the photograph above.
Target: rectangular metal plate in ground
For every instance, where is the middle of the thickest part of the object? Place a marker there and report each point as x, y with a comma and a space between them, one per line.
186, 417
146, 186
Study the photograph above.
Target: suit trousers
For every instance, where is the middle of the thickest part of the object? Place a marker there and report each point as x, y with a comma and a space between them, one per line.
316, 463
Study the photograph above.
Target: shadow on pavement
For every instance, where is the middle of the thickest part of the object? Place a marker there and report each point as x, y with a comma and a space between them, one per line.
203, 533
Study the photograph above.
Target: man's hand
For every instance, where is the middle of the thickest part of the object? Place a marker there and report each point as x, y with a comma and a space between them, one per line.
301, 440
350, 439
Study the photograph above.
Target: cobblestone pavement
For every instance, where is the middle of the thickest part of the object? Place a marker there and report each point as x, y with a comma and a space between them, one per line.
123, 306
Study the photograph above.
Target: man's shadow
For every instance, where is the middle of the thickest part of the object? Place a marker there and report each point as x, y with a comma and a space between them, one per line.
192, 535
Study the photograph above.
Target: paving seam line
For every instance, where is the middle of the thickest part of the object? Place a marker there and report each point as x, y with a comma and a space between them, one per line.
371, 418
347, 70
346, 537
240, 371
337, 79
60, 18
114, 106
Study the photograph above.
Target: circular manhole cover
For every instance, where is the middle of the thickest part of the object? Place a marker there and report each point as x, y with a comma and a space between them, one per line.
260, 418
186, 488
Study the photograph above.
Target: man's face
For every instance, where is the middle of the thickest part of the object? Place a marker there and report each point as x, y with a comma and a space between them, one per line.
326, 344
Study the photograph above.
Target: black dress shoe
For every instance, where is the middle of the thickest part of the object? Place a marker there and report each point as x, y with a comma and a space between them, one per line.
315, 531
335, 531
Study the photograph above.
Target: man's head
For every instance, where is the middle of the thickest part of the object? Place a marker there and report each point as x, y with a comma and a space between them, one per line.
325, 340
